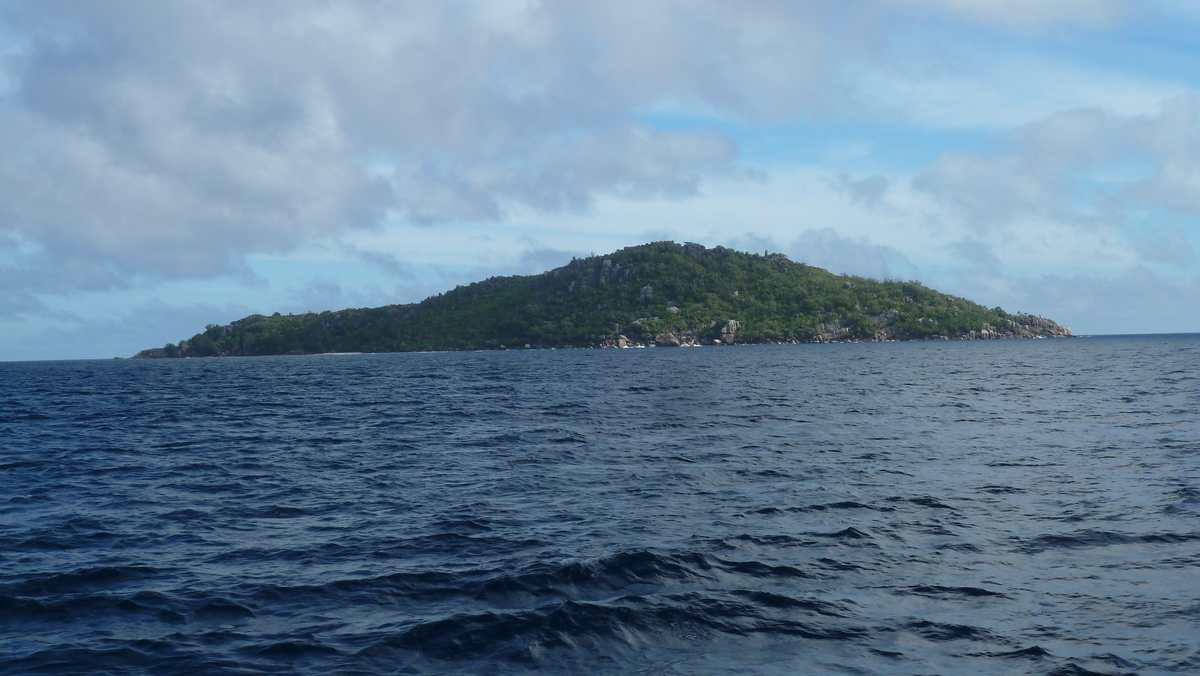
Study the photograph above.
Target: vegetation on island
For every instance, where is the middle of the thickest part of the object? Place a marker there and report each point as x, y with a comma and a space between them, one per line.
660, 293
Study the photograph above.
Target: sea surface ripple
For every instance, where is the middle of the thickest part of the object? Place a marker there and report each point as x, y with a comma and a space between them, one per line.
983, 507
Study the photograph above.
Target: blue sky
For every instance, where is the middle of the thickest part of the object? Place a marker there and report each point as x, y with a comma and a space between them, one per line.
168, 165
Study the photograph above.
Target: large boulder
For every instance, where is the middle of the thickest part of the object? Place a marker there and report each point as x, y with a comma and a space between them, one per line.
666, 340
729, 331
885, 317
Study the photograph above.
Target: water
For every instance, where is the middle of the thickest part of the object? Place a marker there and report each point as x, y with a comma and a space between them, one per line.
998, 507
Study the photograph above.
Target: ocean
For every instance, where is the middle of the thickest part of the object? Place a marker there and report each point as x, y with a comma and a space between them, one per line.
974, 507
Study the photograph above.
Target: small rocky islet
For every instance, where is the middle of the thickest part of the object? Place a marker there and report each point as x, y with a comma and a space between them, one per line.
658, 294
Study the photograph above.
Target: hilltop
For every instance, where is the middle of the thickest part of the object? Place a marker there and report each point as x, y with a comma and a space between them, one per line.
661, 293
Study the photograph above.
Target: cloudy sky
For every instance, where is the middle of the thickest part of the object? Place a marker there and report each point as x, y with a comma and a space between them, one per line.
165, 165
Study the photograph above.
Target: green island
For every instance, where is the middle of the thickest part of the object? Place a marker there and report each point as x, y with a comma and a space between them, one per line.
657, 294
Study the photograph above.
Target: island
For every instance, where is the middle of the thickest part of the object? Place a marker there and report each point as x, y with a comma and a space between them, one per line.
658, 294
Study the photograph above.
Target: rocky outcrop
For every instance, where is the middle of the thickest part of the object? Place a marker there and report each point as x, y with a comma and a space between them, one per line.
1021, 326
885, 317
830, 331
1028, 326
606, 274
152, 353
667, 340
729, 331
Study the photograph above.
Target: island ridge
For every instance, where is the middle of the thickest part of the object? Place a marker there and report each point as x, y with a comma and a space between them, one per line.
662, 293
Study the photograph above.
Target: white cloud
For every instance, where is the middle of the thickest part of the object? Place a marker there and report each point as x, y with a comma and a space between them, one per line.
1169, 246
1135, 301
1062, 169
1028, 15
825, 248
166, 140
968, 87
149, 324
172, 139
869, 191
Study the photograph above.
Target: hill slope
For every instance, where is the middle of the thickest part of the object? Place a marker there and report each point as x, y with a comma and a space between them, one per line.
662, 293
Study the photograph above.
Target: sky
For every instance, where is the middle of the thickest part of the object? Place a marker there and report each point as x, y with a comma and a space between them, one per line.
164, 166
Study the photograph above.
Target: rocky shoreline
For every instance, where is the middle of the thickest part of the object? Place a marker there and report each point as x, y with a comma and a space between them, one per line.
1029, 327
1024, 328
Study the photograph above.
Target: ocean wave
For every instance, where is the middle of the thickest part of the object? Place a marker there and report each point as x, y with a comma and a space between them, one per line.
1088, 538
621, 624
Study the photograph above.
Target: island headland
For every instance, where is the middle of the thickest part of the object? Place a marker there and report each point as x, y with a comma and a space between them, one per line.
660, 294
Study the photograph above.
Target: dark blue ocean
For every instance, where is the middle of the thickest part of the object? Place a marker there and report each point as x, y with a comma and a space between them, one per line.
981, 507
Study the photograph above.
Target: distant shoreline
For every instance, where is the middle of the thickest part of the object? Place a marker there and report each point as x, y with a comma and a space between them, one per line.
1078, 337
531, 348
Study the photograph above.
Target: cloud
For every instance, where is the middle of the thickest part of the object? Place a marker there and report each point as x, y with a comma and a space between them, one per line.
145, 140
979, 256
562, 174
1170, 247
869, 191
542, 258
1084, 168
1032, 177
1135, 301
825, 248
1026, 16
169, 140
383, 260
15, 304
148, 324
318, 294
